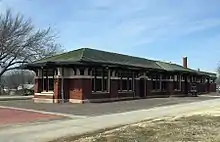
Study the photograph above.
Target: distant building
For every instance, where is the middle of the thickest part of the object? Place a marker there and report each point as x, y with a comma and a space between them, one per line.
89, 75
26, 86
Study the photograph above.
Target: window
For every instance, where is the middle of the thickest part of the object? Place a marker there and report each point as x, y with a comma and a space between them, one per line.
212, 80
125, 81
165, 77
48, 79
51, 84
100, 80
156, 85
81, 70
164, 85
98, 84
130, 84
48, 72
202, 80
192, 79
124, 84
164, 82
183, 78
156, 82
36, 72
177, 82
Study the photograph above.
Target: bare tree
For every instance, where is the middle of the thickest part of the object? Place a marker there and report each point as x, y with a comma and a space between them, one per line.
218, 75
15, 78
21, 42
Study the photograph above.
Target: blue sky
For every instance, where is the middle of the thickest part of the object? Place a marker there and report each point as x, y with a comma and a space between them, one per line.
164, 30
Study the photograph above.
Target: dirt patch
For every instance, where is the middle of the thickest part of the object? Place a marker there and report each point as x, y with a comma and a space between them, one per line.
191, 128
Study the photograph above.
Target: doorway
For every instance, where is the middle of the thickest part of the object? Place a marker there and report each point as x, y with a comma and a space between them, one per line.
142, 87
186, 85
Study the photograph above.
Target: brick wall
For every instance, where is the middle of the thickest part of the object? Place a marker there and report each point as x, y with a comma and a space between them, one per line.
81, 89
57, 89
75, 89
212, 87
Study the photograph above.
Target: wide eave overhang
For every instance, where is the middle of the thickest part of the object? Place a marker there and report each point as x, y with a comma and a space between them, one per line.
51, 64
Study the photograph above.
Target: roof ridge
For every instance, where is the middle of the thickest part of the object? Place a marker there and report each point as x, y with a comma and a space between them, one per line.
82, 56
121, 54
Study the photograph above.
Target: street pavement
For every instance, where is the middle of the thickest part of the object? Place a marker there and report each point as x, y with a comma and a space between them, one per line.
97, 109
52, 130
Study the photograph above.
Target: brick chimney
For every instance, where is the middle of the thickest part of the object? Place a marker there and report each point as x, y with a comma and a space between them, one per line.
185, 62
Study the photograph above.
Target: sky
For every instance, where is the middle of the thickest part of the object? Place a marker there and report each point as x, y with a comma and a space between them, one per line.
165, 30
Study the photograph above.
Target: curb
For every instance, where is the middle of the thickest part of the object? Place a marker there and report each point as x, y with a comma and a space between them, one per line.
9, 98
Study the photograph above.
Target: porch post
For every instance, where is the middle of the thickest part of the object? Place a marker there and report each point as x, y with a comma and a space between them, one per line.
133, 87
160, 81
103, 79
53, 78
128, 84
208, 85
47, 79
109, 80
120, 80
145, 85
62, 86
94, 79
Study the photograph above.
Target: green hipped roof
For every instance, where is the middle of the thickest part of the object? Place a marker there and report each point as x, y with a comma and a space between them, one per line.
98, 56
213, 75
172, 67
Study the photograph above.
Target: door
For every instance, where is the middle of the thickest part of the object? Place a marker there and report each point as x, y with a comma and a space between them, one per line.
142, 87
186, 85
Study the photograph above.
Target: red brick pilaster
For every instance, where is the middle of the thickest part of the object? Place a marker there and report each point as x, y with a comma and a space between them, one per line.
57, 90
212, 87
36, 85
86, 88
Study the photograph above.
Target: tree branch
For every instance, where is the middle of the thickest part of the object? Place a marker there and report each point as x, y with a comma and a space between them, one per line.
21, 43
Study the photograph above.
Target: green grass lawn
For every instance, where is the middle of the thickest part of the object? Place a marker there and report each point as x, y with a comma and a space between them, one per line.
194, 128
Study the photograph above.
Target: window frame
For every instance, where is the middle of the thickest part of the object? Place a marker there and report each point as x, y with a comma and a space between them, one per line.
98, 74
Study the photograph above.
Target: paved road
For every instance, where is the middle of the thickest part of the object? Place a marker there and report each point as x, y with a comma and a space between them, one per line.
48, 131
97, 109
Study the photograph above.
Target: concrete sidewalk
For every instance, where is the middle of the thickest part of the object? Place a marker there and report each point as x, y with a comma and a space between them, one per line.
49, 131
8, 98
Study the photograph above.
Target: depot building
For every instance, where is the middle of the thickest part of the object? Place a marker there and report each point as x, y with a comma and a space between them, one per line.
89, 75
